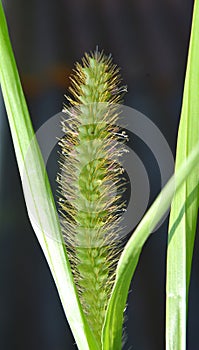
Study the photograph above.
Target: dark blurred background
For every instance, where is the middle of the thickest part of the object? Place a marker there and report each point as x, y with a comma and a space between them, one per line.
149, 41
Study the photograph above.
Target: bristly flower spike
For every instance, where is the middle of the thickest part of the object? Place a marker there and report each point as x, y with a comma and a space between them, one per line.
90, 182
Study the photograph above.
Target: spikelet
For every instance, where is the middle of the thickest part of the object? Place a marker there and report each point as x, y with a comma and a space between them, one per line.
91, 182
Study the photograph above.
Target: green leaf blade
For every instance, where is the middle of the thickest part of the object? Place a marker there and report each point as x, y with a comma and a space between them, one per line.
39, 199
184, 207
112, 332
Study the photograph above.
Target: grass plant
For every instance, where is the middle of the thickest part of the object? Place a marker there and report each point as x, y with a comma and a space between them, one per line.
92, 288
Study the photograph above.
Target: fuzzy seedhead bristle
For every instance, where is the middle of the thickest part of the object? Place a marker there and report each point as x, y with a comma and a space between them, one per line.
91, 182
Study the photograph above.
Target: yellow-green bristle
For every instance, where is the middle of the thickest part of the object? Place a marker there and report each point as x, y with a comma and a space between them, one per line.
90, 172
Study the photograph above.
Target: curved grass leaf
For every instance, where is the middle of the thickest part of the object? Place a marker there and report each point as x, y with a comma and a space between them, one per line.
39, 200
184, 207
112, 332
182, 222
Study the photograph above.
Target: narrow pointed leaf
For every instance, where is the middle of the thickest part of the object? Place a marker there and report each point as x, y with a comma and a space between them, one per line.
184, 208
112, 333
39, 199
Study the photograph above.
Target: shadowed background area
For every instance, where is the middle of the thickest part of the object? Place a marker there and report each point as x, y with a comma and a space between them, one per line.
148, 39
